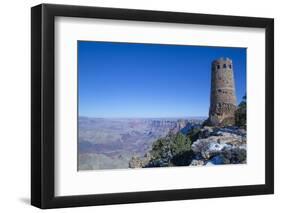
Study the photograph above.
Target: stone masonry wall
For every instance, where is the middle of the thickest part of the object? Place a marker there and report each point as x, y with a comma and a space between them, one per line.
223, 97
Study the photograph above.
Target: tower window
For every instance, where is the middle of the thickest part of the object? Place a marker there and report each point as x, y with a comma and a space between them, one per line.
224, 65
218, 66
229, 66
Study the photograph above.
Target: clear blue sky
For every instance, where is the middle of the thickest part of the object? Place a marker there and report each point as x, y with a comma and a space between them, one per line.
150, 80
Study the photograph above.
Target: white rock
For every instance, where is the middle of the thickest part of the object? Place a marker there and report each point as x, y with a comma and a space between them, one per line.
224, 140
197, 163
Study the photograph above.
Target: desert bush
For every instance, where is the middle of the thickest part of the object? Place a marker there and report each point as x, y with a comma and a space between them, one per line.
194, 134
174, 149
240, 114
183, 159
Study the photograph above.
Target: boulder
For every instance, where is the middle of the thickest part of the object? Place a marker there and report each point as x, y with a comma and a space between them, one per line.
135, 162
139, 162
206, 132
197, 163
209, 163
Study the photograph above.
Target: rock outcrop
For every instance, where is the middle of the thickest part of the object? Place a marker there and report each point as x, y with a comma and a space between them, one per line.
207, 146
139, 162
221, 145
197, 163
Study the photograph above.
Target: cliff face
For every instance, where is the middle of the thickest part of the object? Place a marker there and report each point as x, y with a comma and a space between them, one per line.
106, 143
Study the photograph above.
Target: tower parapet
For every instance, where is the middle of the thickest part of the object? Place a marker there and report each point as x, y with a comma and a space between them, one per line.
223, 97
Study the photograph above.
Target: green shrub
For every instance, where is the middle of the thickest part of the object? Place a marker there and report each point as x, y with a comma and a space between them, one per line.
170, 150
183, 159
180, 143
194, 134
240, 114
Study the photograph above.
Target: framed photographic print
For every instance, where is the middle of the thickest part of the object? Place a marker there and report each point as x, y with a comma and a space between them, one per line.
139, 106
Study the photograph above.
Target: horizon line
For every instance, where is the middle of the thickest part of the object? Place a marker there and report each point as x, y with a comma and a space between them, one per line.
145, 117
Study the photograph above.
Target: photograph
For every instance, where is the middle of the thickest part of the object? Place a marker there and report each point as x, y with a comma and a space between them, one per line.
145, 105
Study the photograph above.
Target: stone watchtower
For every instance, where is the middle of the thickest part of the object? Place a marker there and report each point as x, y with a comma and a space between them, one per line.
223, 97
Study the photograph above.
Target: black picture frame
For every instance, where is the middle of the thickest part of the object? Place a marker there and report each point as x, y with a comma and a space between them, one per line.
43, 110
